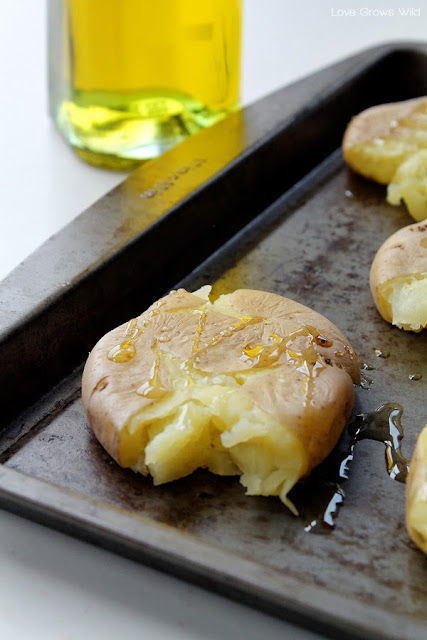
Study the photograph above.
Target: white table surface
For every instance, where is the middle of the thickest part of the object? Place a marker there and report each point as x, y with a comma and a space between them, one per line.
52, 586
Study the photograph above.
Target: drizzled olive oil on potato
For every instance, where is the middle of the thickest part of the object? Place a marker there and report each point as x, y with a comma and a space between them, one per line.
250, 384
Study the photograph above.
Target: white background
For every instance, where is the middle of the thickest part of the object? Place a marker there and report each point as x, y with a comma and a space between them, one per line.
54, 587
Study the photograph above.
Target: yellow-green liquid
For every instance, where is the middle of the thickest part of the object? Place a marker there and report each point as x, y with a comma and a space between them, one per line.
141, 75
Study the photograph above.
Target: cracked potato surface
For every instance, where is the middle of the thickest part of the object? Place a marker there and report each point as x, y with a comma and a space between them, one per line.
252, 384
388, 143
398, 278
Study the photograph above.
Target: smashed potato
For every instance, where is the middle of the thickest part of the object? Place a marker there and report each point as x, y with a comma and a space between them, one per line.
251, 384
416, 494
385, 143
398, 278
409, 184
379, 139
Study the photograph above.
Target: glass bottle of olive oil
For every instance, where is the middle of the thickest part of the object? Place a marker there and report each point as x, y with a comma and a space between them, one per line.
130, 78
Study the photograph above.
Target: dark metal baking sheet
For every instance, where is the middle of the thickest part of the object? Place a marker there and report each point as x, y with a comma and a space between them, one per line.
308, 230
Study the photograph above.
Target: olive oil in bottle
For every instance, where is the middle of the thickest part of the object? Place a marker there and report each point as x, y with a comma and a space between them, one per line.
131, 78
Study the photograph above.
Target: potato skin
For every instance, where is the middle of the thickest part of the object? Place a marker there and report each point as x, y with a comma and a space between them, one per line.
318, 429
329, 415
375, 121
416, 491
109, 388
286, 315
403, 254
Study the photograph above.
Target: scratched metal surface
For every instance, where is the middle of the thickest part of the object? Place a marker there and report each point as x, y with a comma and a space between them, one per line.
366, 580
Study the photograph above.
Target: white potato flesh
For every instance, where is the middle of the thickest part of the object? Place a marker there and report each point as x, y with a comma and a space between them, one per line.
206, 424
409, 184
407, 297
